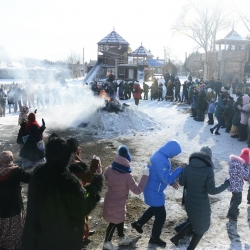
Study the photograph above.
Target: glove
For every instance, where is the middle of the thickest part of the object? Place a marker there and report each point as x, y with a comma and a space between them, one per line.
145, 172
43, 122
96, 184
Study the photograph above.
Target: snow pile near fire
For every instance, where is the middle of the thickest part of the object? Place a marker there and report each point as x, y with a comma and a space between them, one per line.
128, 121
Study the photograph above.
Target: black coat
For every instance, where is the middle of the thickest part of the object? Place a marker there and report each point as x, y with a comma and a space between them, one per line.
21, 133
57, 205
177, 86
198, 178
11, 202
30, 149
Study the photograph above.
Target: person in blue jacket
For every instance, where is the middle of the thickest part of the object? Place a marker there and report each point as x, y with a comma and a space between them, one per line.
161, 175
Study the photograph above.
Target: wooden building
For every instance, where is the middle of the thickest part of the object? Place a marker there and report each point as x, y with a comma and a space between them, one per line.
112, 51
133, 67
171, 68
228, 63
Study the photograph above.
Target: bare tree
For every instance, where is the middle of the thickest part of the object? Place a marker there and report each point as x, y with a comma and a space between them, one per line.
244, 18
200, 21
73, 58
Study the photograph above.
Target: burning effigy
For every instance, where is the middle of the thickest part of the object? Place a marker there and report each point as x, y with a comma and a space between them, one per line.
111, 104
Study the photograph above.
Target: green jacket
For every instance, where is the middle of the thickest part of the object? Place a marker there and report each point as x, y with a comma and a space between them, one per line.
198, 178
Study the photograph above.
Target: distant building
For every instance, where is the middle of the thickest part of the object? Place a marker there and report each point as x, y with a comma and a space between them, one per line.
113, 57
228, 63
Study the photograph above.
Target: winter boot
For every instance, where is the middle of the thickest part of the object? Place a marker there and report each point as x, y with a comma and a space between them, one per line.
109, 246
123, 241
179, 227
159, 242
185, 230
137, 227
194, 242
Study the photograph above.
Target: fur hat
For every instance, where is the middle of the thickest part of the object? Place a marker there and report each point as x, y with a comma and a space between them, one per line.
58, 150
124, 152
73, 144
207, 150
245, 155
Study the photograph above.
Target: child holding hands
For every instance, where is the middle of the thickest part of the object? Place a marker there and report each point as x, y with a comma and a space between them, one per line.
120, 181
238, 172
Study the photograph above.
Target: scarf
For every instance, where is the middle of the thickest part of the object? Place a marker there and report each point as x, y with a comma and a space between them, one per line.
120, 168
6, 165
29, 124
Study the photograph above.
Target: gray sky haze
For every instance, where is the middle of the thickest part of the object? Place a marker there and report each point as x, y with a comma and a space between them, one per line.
53, 29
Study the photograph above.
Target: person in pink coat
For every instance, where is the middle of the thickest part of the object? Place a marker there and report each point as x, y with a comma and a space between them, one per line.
120, 181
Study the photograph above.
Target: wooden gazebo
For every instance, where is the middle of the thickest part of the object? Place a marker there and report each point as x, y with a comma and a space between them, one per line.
232, 57
113, 47
141, 55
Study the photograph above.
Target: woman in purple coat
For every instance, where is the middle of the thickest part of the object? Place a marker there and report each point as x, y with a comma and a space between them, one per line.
120, 181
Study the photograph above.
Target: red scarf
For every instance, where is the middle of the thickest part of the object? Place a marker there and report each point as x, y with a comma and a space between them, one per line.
29, 123
5, 172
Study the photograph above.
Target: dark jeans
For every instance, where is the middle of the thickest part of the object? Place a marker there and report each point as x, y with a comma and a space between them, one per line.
234, 204
210, 119
243, 131
160, 216
111, 228
145, 96
219, 124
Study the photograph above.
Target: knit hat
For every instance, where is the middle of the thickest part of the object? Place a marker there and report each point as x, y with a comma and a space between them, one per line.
207, 150
124, 152
245, 155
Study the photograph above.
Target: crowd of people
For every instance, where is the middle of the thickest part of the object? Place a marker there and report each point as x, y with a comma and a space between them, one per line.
64, 190
14, 96
232, 111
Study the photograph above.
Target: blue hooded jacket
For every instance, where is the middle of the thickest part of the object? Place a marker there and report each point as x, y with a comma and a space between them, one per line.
161, 173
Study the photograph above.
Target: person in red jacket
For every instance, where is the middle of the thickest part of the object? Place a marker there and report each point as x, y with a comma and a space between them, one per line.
136, 92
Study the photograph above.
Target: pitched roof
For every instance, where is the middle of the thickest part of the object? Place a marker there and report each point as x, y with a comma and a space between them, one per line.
232, 37
155, 62
141, 52
113, 38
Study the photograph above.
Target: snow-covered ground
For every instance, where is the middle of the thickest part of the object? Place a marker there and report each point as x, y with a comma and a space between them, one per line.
150, 125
